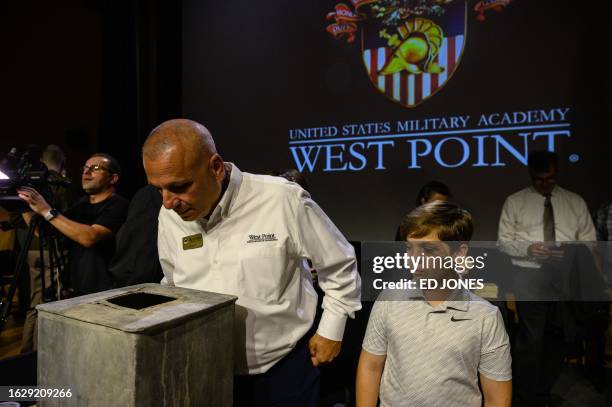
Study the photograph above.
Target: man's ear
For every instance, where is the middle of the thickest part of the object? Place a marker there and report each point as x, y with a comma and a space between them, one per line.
217, 166
114, 179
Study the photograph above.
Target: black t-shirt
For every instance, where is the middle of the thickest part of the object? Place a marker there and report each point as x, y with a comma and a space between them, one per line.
89, 265
136, 260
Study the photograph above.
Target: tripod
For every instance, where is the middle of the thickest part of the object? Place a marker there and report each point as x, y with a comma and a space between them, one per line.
57, 264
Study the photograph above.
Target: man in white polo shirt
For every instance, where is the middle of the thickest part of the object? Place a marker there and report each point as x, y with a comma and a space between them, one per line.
250, 235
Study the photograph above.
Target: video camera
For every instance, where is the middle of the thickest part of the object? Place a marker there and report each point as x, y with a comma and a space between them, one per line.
27, 169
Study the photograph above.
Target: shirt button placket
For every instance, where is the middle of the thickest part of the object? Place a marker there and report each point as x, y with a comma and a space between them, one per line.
216, 255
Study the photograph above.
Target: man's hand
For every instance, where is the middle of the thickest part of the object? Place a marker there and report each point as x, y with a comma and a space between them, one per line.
323, 350
538, 251
36, 201
84, 234
542, 251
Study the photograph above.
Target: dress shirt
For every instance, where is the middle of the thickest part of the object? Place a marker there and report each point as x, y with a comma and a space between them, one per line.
253, 246
521, 222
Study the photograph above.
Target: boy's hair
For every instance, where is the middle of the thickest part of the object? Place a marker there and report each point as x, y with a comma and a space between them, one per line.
448, 220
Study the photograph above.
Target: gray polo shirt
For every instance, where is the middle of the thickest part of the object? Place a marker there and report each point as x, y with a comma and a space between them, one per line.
434, 354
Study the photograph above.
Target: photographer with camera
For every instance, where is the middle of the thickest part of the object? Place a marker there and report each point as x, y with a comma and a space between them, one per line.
55, 160
91, 224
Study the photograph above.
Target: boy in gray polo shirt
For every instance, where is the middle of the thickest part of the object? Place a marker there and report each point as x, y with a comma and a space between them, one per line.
429, 347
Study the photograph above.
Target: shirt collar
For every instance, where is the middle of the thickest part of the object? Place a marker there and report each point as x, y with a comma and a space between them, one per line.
459, 300
554, 192
229, 196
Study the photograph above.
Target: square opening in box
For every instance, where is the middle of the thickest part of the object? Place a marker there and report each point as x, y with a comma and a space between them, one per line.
140, 300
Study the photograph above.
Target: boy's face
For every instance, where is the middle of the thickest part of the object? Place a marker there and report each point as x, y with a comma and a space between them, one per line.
431, 247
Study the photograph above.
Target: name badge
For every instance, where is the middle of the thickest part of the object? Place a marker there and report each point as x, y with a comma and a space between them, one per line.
193, 242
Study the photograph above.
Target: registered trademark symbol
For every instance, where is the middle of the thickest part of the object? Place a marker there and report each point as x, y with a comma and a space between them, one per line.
574, 158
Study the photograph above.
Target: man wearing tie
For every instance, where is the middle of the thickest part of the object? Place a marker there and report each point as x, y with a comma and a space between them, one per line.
532, 220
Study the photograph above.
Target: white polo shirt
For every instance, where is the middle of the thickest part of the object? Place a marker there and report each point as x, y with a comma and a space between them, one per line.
254, 246
435, 353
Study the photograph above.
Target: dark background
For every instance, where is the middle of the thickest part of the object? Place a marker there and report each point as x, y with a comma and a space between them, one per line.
89, 75
253, 73
99, 75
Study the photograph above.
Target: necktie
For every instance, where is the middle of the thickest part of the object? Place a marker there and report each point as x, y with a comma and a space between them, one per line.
549, 220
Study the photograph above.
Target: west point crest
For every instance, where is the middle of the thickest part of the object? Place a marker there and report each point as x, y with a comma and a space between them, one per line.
410, 48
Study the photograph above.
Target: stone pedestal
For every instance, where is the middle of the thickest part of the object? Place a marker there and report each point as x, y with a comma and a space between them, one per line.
144, 345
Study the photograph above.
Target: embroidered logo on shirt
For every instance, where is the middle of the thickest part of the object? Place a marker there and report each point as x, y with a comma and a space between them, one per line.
459, 319
193, 242
263, 237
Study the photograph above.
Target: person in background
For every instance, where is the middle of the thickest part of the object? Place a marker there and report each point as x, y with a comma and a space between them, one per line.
136, 259
55, 160
7, 244
431, 191
597, 344
532, 221
603, 227
91, 224
293, 175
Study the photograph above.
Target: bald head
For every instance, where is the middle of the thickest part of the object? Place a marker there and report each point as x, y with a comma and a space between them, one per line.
182, 136
181, 161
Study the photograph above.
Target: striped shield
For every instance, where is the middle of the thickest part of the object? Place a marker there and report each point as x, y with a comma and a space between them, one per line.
398, 70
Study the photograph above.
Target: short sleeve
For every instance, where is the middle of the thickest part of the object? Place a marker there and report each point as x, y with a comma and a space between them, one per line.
113, 215
375, 340
495, 360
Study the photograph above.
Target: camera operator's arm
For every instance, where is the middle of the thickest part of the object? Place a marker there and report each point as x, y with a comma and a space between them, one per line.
85, 235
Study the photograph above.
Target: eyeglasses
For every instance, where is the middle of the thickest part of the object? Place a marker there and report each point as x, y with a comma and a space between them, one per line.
93, 168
